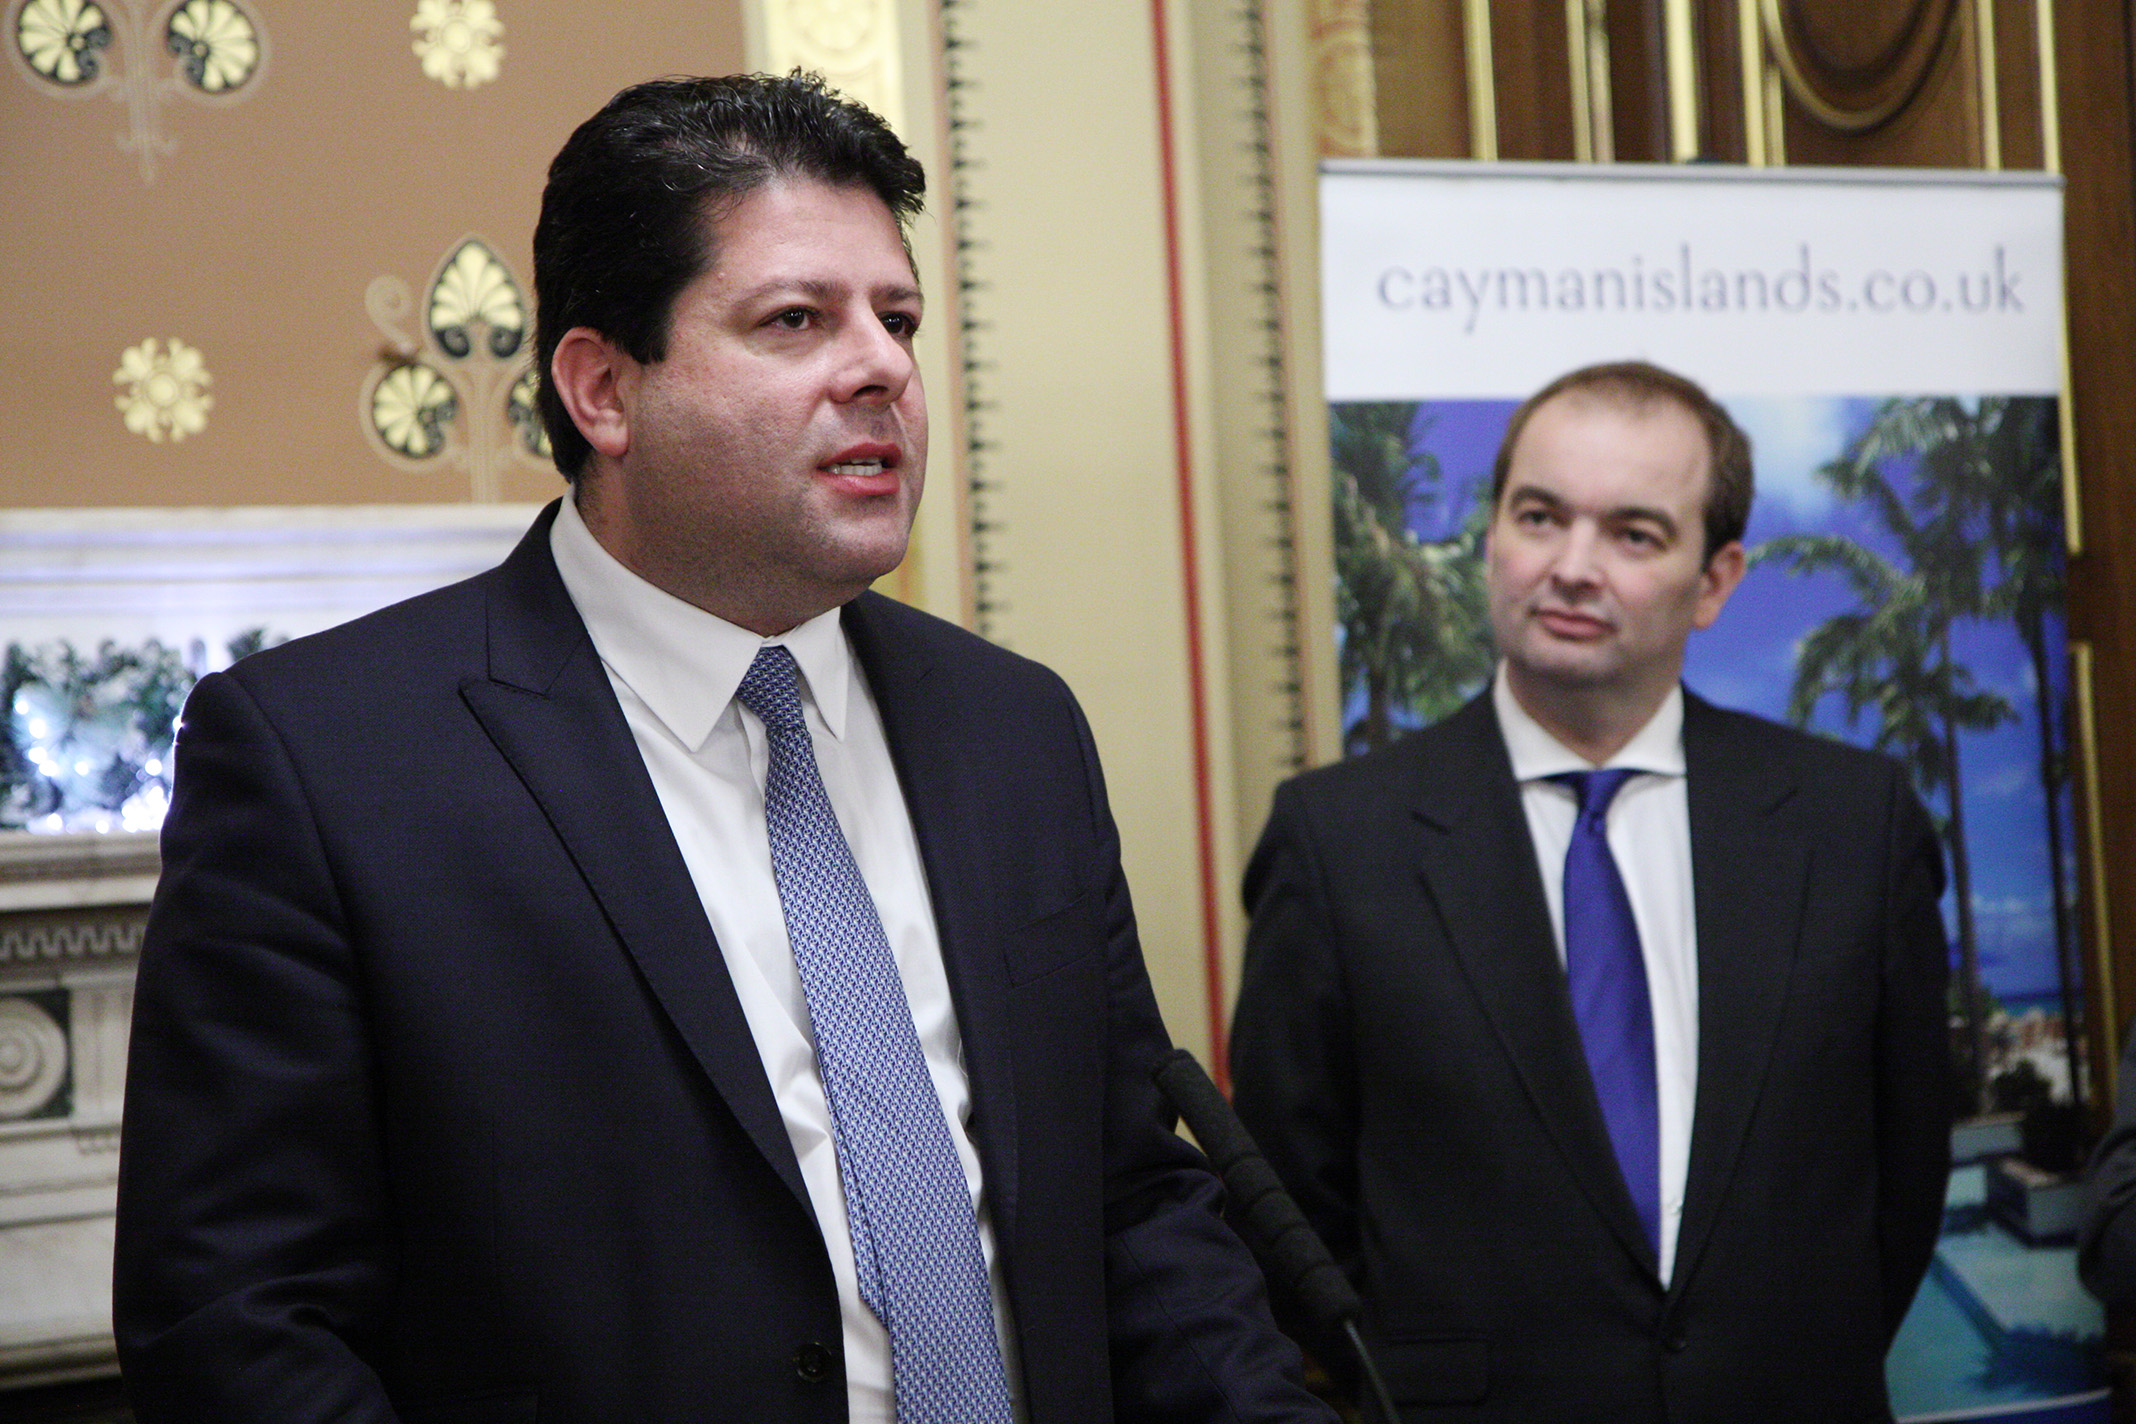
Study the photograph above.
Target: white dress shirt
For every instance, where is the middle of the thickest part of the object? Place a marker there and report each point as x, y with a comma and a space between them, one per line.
1649, 828
675, 668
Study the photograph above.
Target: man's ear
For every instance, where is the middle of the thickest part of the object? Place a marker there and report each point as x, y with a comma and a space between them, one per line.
594, 378
1723, 571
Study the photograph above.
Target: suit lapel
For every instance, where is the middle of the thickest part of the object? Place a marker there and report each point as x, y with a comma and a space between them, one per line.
924, 722
1750, 876
1479, 869
548, 706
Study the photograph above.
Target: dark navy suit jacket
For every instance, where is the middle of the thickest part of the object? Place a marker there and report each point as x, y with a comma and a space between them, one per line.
1406, 1053
442, 1105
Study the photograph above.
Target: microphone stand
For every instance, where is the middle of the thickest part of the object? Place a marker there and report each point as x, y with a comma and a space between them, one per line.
1287, 1246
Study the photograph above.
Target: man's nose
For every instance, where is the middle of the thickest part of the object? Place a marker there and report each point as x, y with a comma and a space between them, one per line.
877, 365
1575, 562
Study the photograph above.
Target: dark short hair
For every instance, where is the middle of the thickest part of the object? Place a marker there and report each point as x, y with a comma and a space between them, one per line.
628, 217
1636, 385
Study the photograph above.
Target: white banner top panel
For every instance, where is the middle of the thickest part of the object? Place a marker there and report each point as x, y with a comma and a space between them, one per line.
1473, 280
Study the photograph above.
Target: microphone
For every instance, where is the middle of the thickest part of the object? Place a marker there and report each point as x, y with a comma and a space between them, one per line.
1274, 1228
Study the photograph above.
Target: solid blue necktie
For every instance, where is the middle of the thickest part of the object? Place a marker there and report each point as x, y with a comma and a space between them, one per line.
1608, 979
915, 1233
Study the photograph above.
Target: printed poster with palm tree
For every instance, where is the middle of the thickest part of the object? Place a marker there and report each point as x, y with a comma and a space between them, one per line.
1906, 591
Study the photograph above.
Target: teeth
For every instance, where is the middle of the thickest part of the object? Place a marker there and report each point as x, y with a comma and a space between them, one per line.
858, 467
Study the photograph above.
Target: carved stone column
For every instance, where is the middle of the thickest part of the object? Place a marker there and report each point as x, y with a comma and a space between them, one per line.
71, 912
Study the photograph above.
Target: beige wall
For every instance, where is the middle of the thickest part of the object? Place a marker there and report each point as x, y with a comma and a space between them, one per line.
1144, 439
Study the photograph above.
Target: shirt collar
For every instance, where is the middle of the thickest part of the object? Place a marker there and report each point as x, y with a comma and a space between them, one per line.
681, 661
1658, 747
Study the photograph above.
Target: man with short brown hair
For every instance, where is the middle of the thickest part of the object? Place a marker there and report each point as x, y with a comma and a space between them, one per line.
1598, 1029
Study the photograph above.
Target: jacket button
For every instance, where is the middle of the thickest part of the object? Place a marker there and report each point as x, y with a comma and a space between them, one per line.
812, 1363
1675, 1344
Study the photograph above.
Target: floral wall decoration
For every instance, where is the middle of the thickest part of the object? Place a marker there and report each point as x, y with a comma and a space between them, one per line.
460, 42
163, 390
206, 51
456, 390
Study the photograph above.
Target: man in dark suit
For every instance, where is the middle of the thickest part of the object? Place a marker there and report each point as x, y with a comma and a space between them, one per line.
1599, 1030
658, 980
2106, 1244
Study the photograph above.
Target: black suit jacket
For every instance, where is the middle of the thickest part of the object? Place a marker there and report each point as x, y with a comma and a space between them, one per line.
2106, 1244
442, 1105
1405, 1051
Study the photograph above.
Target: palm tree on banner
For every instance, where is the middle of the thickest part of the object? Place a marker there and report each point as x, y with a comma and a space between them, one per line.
1891, 655
1411, 610
1990, 475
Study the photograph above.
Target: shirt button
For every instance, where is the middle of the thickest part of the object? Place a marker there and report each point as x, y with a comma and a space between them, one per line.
812, 1363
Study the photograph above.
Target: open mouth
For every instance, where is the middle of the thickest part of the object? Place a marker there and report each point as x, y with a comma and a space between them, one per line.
864, 460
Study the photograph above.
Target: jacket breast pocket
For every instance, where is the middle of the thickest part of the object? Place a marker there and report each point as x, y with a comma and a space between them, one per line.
1436, 1369
1056, 938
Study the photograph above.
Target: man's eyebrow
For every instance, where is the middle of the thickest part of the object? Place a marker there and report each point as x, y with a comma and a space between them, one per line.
1622, 514
825, 291
1625, 514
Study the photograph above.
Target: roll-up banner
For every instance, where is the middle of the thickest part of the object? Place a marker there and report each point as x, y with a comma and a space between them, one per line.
1892, 343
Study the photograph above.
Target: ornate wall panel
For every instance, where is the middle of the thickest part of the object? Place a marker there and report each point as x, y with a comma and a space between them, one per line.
218, 183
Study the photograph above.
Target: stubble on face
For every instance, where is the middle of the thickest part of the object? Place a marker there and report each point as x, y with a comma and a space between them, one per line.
776, 453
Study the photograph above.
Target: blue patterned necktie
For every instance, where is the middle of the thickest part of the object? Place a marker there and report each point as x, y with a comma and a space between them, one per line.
1608, 978
915, 1235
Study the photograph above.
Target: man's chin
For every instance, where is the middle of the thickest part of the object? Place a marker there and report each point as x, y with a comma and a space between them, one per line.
861, 564
1564, 667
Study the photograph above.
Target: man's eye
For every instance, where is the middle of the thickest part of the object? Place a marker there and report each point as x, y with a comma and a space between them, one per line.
794, 318
901, 323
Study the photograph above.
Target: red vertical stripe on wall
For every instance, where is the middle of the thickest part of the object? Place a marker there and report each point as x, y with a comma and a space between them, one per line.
1183, 460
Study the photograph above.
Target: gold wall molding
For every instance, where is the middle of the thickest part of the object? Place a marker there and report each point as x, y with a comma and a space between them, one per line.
1593, 111
1680, 54
1482, 80
851, 43
1989, 92
2080, 672
1855, 97
210, 52
1342, 73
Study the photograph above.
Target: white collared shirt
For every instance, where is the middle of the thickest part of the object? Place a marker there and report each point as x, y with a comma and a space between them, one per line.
675, 669
1649, 828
